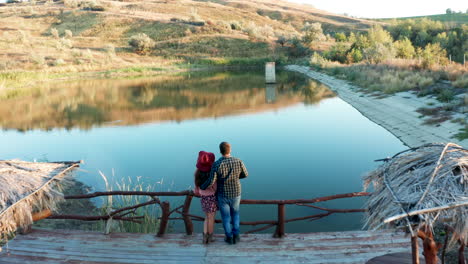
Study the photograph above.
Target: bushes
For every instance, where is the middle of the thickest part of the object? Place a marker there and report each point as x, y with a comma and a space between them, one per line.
404, 49
462, 81
432, 54
141, 43
338, 52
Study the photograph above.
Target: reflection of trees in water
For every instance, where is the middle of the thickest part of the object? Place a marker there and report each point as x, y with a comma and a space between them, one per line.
314, 92
88, 103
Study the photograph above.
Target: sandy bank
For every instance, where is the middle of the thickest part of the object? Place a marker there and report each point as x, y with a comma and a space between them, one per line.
395, 113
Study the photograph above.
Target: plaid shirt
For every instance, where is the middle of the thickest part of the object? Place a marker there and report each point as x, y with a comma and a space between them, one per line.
227, 171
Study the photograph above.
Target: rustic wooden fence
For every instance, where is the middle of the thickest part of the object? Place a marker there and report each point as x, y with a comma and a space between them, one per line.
183, 211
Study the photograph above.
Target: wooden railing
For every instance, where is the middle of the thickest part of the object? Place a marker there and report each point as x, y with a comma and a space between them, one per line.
128, 213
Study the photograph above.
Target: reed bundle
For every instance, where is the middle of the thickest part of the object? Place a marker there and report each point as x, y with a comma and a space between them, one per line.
421, 187
28, 187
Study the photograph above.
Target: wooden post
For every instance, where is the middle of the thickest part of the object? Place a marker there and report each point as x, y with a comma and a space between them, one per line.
461, 255
281, 220
165, 207
414, 249
186, 210
429, 245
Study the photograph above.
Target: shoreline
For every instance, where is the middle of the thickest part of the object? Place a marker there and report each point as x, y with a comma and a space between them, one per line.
396, 113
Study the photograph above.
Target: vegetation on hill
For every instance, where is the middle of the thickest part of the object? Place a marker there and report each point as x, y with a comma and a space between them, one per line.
450, 18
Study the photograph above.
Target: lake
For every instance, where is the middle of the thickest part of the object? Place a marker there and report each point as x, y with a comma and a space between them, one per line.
297, 138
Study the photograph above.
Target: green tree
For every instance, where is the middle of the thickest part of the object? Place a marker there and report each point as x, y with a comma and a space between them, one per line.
442, 39
354, 56
338, 52
312, 33
432, 54
340, 37
404, 49
352, 37
379, 52
379, 35
422, 39
380, 45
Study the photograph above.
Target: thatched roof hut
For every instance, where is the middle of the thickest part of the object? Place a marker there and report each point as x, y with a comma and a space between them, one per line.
28, 187
420, 187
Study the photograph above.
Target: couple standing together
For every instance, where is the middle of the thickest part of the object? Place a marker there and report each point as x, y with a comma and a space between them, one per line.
218, 185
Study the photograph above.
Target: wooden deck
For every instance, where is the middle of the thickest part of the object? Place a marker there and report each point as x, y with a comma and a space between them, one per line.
65, 246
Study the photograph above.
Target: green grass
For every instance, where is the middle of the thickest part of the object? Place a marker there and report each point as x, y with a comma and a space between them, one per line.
77, 22
228, 61
275, 15
158, 31
215, 47
463, 134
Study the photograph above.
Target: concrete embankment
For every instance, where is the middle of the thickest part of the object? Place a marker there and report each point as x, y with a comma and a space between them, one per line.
396, 113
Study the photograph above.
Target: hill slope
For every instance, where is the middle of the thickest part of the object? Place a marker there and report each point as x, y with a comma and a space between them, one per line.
86, 35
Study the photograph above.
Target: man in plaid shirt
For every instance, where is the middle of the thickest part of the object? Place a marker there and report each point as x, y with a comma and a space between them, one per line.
226, 172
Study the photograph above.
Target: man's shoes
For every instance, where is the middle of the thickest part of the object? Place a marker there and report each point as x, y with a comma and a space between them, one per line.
205, 238
229, 240
236, 239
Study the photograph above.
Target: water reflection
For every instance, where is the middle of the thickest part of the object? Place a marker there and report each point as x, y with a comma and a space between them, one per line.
89, 103
270, 94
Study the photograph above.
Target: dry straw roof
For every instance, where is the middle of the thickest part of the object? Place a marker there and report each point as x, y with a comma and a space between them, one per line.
27, 187
421, 186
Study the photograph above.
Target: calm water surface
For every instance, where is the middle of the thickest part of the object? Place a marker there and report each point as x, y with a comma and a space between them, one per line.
297, 139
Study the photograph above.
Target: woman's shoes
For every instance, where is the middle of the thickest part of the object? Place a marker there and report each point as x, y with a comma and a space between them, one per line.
208, 238
211, 238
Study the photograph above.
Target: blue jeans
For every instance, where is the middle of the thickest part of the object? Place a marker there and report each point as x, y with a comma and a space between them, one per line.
229, 208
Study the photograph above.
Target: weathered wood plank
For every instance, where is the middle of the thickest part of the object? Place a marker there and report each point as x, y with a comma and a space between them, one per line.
63, 246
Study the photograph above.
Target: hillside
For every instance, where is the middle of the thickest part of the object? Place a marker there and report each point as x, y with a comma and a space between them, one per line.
89, 35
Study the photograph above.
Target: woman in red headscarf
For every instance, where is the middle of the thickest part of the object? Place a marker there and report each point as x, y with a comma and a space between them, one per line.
208, 197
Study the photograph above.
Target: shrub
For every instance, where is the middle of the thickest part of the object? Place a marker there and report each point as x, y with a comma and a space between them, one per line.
235, 25
355, 55
58, 62
281, 40
54, 32
338, 53
110, 50
340, 37
312, 32
38, 60
379, 52
446, 95
462, 81
317, 60
64, 43
71, 3
68, 34
141, 43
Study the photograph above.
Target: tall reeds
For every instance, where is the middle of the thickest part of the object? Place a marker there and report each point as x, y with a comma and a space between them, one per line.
149, 222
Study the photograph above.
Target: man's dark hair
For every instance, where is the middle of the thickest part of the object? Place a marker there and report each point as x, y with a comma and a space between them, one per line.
224, 148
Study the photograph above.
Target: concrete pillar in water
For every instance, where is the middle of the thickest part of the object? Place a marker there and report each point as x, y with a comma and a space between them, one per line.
270, 72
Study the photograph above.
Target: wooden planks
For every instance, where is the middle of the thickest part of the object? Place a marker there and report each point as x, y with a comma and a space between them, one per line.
395, 258
65, 246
